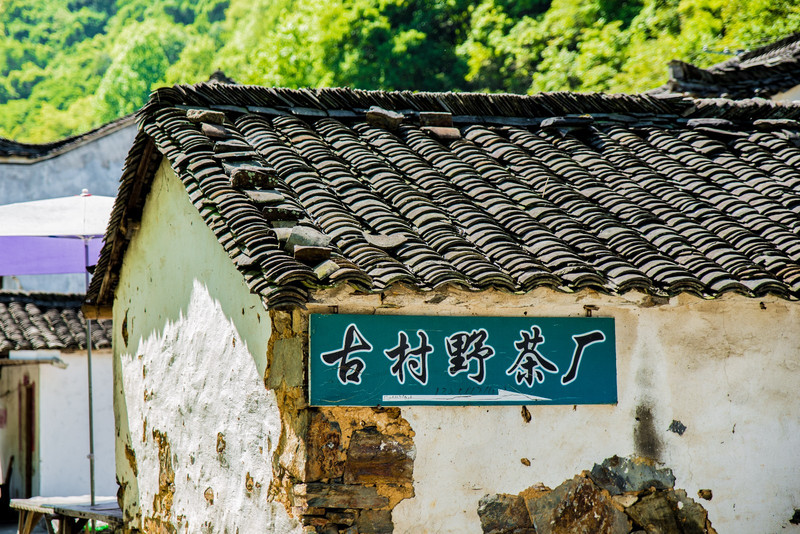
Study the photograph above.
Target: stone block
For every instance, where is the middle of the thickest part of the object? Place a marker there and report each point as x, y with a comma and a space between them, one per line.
249, 177
622, 475
706, 494
375, 522
375, 458
286, 363
576, 507
339, 496
435, 118
341, 518
654, 514
325, 455
205, 115
691, 516
670, 512
383, 118
329, 528
504, 514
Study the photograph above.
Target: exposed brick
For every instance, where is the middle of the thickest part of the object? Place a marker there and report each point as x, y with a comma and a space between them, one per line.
375, 522
691, 516
341, 518
325, 456
375, 458
339, 496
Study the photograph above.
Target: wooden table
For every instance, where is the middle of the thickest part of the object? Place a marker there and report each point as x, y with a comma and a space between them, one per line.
72, 517
31, 512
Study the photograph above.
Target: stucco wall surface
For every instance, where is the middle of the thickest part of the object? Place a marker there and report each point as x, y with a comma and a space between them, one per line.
727, 369
61, 420
95, 165
64, 426
197, 427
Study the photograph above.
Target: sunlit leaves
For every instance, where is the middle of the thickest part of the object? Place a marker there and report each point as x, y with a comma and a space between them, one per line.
69, 65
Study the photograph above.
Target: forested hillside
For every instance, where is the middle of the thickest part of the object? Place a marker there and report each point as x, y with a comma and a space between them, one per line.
70, 65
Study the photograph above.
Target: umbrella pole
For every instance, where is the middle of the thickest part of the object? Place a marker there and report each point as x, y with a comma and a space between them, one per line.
89, 366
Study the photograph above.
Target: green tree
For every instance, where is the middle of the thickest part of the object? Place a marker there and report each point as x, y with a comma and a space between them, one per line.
139, 59
69, 65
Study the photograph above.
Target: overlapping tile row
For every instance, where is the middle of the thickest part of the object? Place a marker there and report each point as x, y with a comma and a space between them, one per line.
343, 102
34, 321
206, 154
560, 190
763, 72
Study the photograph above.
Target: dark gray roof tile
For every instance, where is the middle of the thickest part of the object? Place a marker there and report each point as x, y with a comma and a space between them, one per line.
36, 321
763, 72
649, 203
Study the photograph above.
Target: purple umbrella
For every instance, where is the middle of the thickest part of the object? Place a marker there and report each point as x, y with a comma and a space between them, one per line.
52, 236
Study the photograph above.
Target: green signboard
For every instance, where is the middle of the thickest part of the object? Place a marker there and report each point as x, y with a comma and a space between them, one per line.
383, 360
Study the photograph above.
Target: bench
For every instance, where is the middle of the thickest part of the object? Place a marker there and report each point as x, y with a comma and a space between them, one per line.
72, 515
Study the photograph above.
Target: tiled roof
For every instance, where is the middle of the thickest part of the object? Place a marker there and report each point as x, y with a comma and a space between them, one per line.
16, 152
763, 72
33, 321
569, 191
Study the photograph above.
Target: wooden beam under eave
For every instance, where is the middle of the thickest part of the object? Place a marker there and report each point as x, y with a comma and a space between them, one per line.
117, 248
97, 313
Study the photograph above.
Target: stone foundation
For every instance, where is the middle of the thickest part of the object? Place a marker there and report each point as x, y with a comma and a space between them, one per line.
619, 496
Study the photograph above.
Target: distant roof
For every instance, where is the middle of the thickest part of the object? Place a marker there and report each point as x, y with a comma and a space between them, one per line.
562, 190
22, 153
763, 72
35, 321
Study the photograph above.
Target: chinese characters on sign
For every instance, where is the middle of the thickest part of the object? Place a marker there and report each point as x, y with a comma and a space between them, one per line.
367, 360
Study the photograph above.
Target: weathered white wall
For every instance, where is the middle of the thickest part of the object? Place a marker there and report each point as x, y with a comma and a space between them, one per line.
95, 165
60, 466
64, 426
728, 369
189, 367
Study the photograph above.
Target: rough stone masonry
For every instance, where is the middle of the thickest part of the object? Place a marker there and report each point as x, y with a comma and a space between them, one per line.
619, 496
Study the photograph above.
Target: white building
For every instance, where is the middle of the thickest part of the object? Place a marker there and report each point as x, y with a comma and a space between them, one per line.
44, 405
244, 211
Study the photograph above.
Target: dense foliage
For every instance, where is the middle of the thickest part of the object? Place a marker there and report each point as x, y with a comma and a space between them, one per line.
70, 65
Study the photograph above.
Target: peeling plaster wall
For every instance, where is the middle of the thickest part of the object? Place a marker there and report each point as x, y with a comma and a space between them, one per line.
196, 426
727, 369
